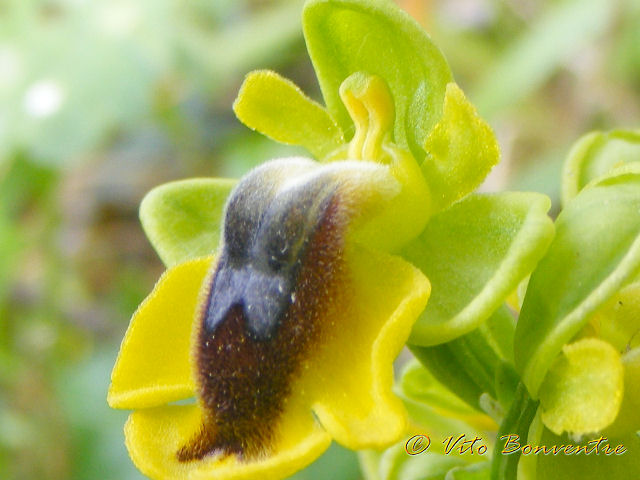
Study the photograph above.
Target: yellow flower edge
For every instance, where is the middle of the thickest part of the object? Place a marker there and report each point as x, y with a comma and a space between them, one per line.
153, 366
346, 384
153, 436
360, 411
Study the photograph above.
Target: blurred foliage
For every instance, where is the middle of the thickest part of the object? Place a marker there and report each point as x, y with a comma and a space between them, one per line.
102, 100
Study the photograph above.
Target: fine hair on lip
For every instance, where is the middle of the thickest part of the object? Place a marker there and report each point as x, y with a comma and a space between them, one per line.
262, 319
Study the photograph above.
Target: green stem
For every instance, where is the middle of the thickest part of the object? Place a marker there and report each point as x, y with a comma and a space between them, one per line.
516, 422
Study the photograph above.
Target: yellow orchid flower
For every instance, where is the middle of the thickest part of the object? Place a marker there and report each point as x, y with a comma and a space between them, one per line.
271, 336
287, 338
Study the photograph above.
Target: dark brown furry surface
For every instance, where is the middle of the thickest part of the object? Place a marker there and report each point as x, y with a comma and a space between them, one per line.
243, 379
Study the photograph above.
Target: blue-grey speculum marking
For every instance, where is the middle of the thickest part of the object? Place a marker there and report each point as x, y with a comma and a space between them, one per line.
266, 232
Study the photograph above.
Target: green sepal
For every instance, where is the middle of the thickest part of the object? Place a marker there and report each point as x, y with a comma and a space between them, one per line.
471, 365
183, 219
277, 108
594, 155
448, 363
596, 251
582, 392
377, 37
435, 409
618, 321
475, 254
461, 150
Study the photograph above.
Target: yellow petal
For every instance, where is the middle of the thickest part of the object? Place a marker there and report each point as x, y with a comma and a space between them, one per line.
351, 378
153, 437
583, 390
153, 364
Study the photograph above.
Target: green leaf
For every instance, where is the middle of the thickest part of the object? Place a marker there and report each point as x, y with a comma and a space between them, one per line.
277, 108
594, 155
475, 254
376, 37
461, 149
595, 252
582, 391
183, 219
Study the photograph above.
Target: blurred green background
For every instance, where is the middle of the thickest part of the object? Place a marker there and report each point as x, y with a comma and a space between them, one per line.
100, 100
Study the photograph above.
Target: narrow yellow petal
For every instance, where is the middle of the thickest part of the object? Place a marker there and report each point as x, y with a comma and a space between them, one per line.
350, 381
153, 437
153, 364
